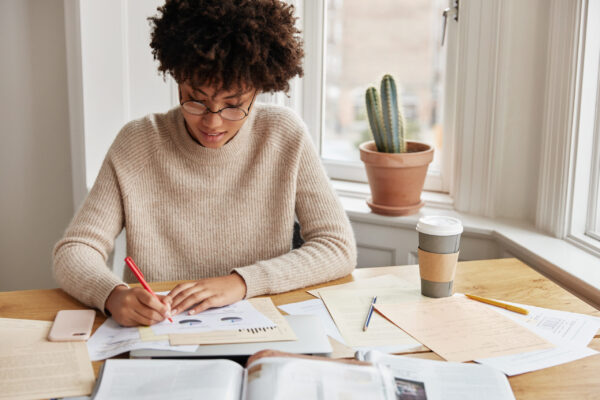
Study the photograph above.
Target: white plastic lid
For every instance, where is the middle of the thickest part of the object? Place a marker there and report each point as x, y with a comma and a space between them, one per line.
439, 225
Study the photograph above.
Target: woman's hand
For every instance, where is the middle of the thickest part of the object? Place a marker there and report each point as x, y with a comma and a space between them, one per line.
135, 306
206, 293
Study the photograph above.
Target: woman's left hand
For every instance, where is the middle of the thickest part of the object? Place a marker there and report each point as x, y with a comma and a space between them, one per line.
206, 293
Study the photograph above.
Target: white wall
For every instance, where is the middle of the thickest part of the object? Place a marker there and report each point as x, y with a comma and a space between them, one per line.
35, 162
120, 78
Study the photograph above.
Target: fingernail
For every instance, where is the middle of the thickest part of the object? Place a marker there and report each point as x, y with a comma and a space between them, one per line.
174, 312
191, 312
168, 314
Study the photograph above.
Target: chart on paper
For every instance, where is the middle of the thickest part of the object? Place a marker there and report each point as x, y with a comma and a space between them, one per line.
238, 316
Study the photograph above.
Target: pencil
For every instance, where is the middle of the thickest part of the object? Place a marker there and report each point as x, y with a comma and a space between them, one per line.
498, 304
366, 325
140, 277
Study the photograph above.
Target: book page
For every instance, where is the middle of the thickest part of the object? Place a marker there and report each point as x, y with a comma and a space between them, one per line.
33, 367
459, 329
440, 380
170, 379
301, 379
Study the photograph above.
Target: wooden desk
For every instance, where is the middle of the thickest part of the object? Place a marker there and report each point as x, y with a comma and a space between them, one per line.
507, 279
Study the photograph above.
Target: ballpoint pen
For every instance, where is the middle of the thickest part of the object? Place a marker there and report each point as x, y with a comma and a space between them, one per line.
140, 277
366, 325
498, 304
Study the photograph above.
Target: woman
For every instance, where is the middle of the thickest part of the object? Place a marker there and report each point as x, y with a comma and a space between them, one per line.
209, 190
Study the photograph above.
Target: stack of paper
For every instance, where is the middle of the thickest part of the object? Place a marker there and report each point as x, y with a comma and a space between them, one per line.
349, 304
569, 332
542, 339
255, 320
459, 329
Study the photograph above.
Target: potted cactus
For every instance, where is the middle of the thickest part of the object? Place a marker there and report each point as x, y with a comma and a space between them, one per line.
396, 168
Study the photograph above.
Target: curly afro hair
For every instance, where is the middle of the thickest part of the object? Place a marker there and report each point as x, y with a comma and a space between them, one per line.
228, 43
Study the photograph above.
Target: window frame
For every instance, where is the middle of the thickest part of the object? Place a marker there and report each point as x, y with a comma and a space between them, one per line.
313, 87
584, 190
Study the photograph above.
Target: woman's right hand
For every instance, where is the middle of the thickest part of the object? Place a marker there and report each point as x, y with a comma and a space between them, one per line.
135, 306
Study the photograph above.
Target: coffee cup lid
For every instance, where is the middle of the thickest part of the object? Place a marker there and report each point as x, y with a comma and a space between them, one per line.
439, 225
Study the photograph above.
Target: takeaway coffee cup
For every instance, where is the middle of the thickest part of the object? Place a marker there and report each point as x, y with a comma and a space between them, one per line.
439, 239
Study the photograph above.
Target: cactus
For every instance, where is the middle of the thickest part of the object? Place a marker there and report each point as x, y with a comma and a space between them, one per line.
386, 119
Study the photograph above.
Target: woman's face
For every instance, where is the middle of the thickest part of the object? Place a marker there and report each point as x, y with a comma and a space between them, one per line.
210, 129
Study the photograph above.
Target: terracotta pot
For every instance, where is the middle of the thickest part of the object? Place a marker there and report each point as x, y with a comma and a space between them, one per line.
396, 179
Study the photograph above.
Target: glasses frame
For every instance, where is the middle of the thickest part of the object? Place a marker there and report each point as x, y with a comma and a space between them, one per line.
209, 111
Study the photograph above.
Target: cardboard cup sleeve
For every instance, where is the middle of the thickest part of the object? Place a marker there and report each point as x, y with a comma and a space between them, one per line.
437, 267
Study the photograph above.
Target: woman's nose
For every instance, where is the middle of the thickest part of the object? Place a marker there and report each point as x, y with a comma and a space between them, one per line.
213, 120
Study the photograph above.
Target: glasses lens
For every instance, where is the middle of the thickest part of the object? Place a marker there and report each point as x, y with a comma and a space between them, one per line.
194, 107
233, 114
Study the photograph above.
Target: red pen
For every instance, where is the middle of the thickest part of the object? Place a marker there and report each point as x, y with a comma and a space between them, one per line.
140, 277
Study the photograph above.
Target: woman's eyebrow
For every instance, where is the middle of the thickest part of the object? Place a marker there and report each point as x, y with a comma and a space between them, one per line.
235, 95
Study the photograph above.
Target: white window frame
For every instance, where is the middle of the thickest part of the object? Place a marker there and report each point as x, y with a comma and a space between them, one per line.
313, 84
585, 142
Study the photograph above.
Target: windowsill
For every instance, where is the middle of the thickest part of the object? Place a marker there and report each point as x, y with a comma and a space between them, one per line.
569, 266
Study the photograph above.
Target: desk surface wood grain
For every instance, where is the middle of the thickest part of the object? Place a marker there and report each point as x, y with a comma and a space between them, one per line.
506, 279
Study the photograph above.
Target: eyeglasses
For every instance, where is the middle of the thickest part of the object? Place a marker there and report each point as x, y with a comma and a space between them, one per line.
228, 113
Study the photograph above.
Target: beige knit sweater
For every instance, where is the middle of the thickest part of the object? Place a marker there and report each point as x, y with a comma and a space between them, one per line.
192, 212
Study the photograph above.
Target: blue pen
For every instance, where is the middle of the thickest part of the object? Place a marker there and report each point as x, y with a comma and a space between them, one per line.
370, 313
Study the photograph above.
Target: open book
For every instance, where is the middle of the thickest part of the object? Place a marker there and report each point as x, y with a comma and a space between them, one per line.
391, 378
267, 378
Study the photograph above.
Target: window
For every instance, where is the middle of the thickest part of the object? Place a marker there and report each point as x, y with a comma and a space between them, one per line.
585, 189
361, 42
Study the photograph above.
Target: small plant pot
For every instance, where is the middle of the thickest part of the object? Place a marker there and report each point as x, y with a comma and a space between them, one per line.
396, 179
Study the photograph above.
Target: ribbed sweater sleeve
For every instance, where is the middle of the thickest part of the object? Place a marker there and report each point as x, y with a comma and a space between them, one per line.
80, 256
329, 251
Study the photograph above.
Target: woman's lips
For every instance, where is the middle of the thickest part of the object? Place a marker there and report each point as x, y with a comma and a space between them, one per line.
212, 136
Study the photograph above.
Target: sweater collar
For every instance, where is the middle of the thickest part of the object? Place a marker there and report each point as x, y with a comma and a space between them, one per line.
193, 150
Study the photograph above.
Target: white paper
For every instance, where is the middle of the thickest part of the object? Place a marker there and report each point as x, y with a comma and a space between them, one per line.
570, 332
558, 327
170, 379
315, 307
240, 315
526, 362
444, 380
111, 339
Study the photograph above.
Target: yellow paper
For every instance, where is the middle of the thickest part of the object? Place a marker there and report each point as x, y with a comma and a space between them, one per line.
459, 329
382, 281
148, 335
283, 331
33, 367
349, 309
